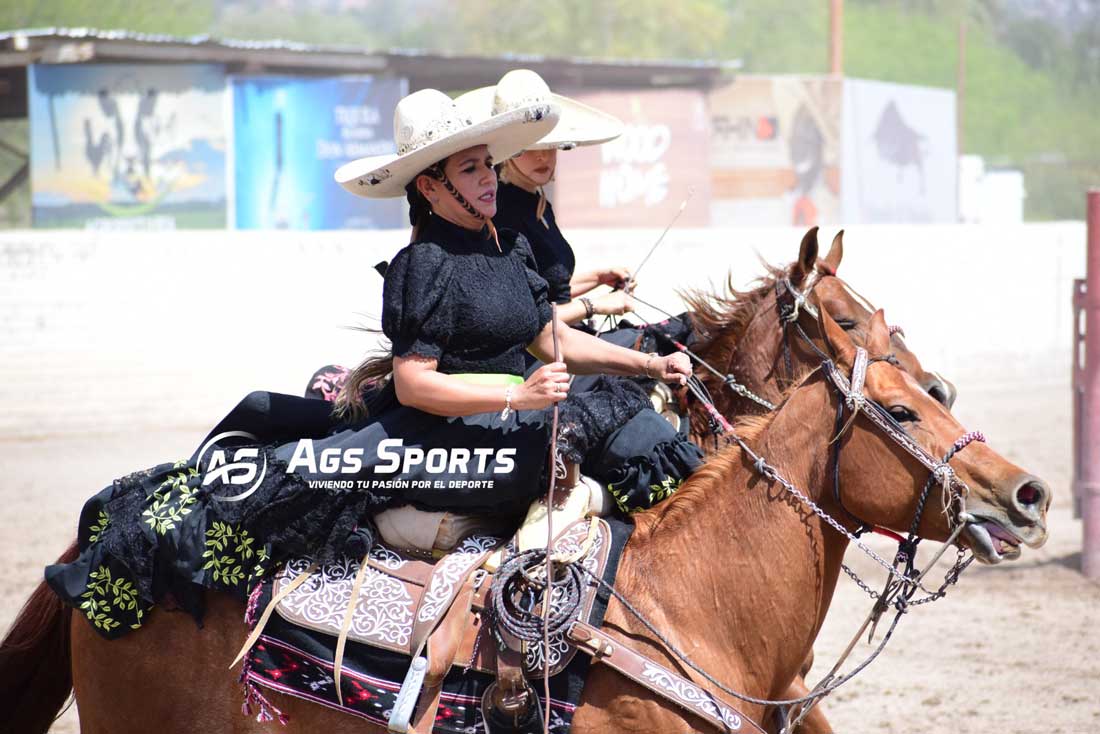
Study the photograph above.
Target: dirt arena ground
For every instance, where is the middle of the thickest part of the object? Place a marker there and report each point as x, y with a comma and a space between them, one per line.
1013, 649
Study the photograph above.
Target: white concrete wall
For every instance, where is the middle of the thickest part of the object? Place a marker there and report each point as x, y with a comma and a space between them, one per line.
100, 331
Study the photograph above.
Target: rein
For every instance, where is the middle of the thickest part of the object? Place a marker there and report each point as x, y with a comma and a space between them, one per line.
549, 567
729, 380
901, 586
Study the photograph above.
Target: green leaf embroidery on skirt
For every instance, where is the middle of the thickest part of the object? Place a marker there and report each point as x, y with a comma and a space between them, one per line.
99, 527
228, 547
171, 501
109, 601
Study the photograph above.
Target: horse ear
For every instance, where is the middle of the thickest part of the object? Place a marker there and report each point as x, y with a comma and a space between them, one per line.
878, 335
836, 339
807, 257
836, 252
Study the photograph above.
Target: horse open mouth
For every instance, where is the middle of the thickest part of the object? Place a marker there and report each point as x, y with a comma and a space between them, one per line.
991, 541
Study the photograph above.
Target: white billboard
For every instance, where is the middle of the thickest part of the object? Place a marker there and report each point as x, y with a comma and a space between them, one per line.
898, 159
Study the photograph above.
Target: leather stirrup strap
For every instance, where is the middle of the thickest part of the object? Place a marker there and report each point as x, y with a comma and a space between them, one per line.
442, 646
443, 588
510, 693
345, 626
658, 679
259, 628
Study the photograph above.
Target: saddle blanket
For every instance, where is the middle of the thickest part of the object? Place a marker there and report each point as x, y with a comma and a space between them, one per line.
297, 659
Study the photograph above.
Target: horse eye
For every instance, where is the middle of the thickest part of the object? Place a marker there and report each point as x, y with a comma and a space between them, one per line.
846, 324
902, 414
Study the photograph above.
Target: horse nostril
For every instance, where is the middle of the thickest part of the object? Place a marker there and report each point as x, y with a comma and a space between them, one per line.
1030, 494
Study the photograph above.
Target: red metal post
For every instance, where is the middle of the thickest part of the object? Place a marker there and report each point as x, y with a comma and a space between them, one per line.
1078, 390
836, 37
1090, 399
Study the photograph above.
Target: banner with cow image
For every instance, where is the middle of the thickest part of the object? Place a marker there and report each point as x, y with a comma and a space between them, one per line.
289, 137
124, 146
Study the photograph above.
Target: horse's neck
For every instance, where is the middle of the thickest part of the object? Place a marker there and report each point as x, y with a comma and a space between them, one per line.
733, 569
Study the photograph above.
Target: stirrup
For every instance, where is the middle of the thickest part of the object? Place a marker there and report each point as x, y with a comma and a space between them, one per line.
514, 714
407, 697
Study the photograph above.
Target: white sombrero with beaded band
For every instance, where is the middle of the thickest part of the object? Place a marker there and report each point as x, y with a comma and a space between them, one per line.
579, 124
428, 127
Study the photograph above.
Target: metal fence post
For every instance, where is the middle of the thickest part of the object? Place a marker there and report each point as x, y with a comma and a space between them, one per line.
1090, 400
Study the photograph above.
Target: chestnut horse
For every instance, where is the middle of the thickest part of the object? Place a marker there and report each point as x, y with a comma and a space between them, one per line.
732, 562
742, 334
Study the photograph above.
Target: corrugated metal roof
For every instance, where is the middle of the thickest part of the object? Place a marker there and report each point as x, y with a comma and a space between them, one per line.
17, 38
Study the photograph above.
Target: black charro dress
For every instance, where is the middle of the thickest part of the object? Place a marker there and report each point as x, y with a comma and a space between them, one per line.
517, 209
166, 534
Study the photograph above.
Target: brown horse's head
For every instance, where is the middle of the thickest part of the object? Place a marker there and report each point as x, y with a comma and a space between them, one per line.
852, 312
742, 333
1003, 506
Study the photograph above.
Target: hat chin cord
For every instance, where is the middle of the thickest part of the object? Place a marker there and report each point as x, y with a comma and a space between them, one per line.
436, 172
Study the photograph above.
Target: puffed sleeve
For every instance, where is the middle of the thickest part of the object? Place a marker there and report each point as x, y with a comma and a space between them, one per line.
416, 314
540, 291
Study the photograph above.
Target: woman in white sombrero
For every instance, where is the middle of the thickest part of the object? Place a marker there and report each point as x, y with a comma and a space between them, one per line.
521, 200
453, 425
463, 303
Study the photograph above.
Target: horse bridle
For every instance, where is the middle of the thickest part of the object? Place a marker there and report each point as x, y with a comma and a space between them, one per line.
789, 313
901, 586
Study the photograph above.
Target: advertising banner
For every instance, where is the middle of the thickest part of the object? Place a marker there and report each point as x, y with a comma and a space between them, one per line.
899, 156
290, 136
775, 148
121, 146
641, 178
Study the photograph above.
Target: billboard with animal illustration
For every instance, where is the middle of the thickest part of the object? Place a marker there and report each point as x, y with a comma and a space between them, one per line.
290, 136
121, 146
899, 154
775, 151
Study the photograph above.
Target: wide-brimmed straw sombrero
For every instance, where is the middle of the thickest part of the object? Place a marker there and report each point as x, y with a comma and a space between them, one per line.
579, 123
428, 127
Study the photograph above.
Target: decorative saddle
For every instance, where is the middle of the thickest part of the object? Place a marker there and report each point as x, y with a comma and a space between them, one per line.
437, 617
432, 611
405, 604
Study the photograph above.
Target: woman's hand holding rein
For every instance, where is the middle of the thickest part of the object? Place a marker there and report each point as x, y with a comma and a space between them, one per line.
673, 368
615, 303
582, 283
547, 385
614, 277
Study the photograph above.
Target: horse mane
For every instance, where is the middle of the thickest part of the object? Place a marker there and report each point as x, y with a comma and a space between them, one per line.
678, 509
717, 315
721, 312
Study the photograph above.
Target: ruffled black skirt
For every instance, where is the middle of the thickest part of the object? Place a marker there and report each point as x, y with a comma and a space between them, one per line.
279, 478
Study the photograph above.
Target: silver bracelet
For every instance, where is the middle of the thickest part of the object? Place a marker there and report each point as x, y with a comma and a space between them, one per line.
645, 369
507, 403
